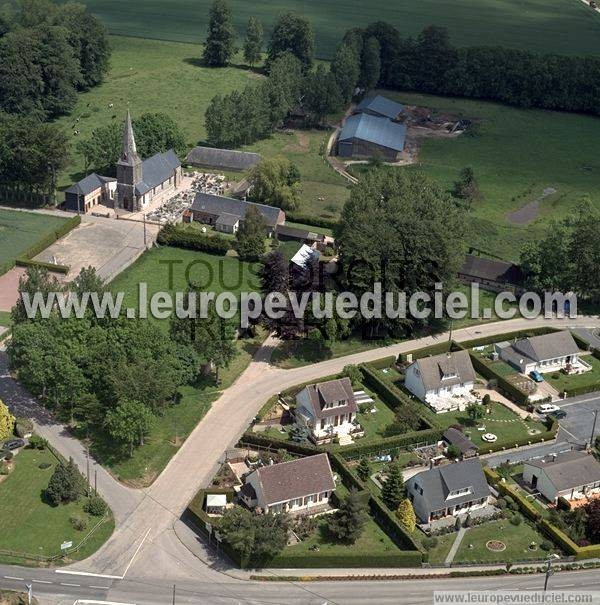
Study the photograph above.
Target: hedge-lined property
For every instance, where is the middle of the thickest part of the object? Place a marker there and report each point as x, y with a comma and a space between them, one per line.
189, 239
506, 489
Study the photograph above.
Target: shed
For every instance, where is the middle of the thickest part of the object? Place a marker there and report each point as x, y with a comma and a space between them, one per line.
216, 504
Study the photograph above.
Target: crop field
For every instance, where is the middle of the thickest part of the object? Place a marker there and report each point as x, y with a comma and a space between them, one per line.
20, 230
559, 26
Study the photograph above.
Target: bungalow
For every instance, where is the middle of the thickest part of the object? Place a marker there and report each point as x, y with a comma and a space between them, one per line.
328, 409
571, 475
220, 211
444, 382
298, 486
452, 489
547, 353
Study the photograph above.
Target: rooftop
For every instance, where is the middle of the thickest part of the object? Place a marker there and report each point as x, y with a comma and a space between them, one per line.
447, 369
373, 129
329, 392
89, 184
547, 346
487, 269
156, 170
381, 105
218, 205
569, 469
226, 159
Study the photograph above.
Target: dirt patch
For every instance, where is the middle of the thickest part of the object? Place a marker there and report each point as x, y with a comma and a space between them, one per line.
302, 144
531, 210
495, 546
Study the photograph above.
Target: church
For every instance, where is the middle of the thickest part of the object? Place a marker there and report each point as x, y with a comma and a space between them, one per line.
138, 182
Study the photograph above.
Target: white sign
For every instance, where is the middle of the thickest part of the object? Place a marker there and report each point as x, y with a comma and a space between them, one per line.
208, 528
66, 545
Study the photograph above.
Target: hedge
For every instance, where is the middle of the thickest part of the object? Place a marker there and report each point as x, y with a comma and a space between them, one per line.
488, 340
526, 507
189, 239
582, 390
349, 479
437, 349
298, 387
385, 362
267, 407
257, 439
309, 219
432, 435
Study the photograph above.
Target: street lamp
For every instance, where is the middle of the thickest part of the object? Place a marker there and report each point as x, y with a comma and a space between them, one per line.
549, 570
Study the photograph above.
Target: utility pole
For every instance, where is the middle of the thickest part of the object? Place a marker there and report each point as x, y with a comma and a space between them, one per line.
87, 455
95, 482
549, 570
593, 428
144, 215
174, 588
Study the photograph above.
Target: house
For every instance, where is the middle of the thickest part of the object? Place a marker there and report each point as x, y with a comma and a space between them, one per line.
138, 182
452, 489
328, 409
494, 275
444, 381
467, 448
301, 486
364, 136
89, 192
380, 106
222, 159
571, 475
227, 223
547, 353
211, 209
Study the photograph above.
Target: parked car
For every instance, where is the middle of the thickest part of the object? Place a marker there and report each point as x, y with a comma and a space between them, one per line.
548, 408
559, 414
13, 444
536, 376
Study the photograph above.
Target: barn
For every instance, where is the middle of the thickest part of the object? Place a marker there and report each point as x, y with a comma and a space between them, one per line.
381, 107
365, 136
222, 159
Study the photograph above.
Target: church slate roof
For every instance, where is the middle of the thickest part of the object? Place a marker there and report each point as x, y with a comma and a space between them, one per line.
216, 205
226, 159
156, 170
88, 184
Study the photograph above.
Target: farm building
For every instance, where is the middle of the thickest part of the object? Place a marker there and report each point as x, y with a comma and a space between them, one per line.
224, 159
381, 107
225, 213
364, 136
288, 234
91, 191
494, 275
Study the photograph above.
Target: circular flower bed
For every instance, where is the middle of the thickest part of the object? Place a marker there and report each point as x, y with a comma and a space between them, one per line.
495, 546
534, 431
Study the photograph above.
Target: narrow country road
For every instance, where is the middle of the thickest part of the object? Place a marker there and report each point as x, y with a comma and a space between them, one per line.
150, 543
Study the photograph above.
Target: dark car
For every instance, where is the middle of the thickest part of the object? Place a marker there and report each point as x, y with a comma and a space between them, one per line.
13, 444
559, 414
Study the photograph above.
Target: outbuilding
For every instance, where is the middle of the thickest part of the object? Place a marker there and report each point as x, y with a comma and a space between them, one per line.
365, 136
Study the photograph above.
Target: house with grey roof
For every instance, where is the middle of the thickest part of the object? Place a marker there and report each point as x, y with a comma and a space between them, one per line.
573, 475
138, 182
492, 274
546, 353
444, 382
328, 409
89, 192
211, 209
299, 487
452, 489
380, 106
364, 136
222, 159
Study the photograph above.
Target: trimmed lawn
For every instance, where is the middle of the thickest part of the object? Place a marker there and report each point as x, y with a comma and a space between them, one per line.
5, 319
28, 525
540, 25
437, 554
375, 424
563, 382
373, 541
313, 228
516, 537
21, 230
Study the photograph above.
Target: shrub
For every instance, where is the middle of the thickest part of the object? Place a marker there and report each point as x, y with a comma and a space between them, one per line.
516, 519
545, 545
37, 443
23, 427
430, 542
78, 523
3, 469
189, 239
501, 503
95, 506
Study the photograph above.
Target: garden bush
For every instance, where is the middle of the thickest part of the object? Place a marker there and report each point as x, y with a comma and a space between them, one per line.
189, 239
78, 523
95, 506
516, 519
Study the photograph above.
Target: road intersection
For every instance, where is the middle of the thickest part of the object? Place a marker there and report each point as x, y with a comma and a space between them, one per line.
151, 547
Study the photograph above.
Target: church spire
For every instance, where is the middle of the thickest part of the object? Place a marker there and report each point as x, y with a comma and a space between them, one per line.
129, 155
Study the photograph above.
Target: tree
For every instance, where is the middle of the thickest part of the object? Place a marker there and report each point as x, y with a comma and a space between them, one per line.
407, 418
466, 188
292, 34
271, 534
65, 485
353, 372
274, 273
363, 470
370, 67
7, 421
219, 45
406, 515
36, 279
345, 68
400, 230
453, 452
88, 280
275, 182
593, 521
254, 42
322, 95
393, 490
128, 423
250, 237
436, 56
284, 86
237, 529
348, 522
475, 411
299, 433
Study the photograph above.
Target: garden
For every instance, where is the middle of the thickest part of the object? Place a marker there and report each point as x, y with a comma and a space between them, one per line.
577, 383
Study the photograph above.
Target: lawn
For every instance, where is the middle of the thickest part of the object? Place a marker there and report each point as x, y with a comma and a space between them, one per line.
517, 539
438, 553
28, 525
373, 541
561, 26
375, 424
21, 230
562, 382
515, 154
5, 319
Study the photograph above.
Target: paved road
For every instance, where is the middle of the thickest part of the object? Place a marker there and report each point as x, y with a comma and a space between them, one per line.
144, 546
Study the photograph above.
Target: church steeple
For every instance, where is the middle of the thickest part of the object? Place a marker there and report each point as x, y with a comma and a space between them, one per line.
129, 154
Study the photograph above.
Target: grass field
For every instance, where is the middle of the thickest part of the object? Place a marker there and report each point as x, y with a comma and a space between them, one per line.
20, 230
515, 154
29, 525
561, 26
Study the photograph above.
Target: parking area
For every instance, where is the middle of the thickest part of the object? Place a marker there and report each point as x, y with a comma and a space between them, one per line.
580, 417
107, 244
